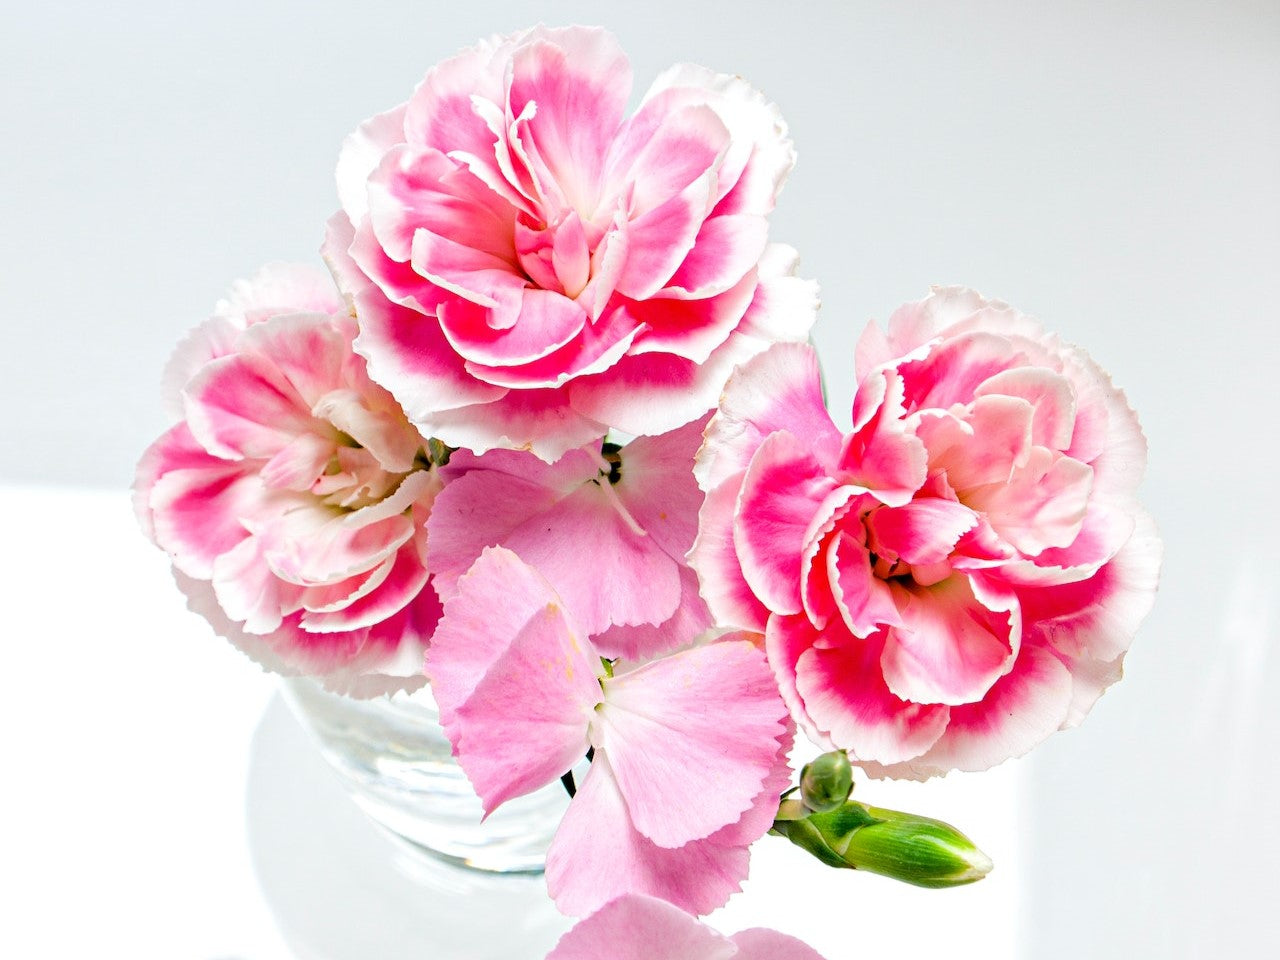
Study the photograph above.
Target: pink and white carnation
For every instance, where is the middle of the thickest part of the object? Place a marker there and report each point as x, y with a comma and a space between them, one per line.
609, 529
959, 575
531, 266
688, 751
644, 928
292, 497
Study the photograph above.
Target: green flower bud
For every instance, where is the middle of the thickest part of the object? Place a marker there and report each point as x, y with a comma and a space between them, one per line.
917, 850
826, 781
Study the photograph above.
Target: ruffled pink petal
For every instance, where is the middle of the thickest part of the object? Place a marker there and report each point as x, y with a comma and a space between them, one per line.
597, 856
779, 390
690, 328
955, 369
845, 696
925, 530
880, 454
533, 420
715, 558
405, 579
785, 306
635, 927
361, 152
864, 601
243, 406
1052, 400
1096, 618
1042, 505
278, 288
409, 355
724, 252
580, 80
191, 504
1023, 708
759, 156
214, 338
781, 493
310, 351
546, 322
249, 591
442, 112
955, 640
691, 739
984, 446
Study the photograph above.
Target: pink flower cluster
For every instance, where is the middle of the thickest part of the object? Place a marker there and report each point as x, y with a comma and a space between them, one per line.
410, 477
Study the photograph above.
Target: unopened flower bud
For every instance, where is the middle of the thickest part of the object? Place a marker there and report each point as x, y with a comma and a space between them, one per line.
826, 782
917, 850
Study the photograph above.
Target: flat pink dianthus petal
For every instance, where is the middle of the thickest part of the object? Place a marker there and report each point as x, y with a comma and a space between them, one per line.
526, 722
635, 927
493, 602
597, 855
645, 641
691, 738
658, 488
761, 944
589, 550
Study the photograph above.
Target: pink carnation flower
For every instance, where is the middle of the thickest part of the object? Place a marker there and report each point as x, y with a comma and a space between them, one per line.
610, 535
643, 928
689, 750
962, 573
293, 496
530, 266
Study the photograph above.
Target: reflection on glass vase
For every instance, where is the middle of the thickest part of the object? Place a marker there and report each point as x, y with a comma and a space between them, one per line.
394, 759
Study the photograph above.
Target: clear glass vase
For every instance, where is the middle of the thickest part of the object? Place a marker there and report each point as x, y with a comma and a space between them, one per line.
394, 759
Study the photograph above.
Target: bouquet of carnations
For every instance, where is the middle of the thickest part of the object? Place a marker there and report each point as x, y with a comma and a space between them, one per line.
549, 436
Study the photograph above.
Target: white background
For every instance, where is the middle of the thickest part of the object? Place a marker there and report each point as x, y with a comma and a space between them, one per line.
1113, 168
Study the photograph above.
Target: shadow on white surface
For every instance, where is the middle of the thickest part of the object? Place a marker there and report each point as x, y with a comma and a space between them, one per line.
342, 889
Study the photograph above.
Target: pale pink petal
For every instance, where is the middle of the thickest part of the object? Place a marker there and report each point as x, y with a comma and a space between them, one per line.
591, 530
635, 927
493, 602
779, 390
249, 591
761, 944
405, 579
275, 289
442, 114
646, 641
214, 338
691, 739
1051, 397
526, 722
955, 640
597, 856
781, 493
658, 489
728, 595
533, 420
984, 446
